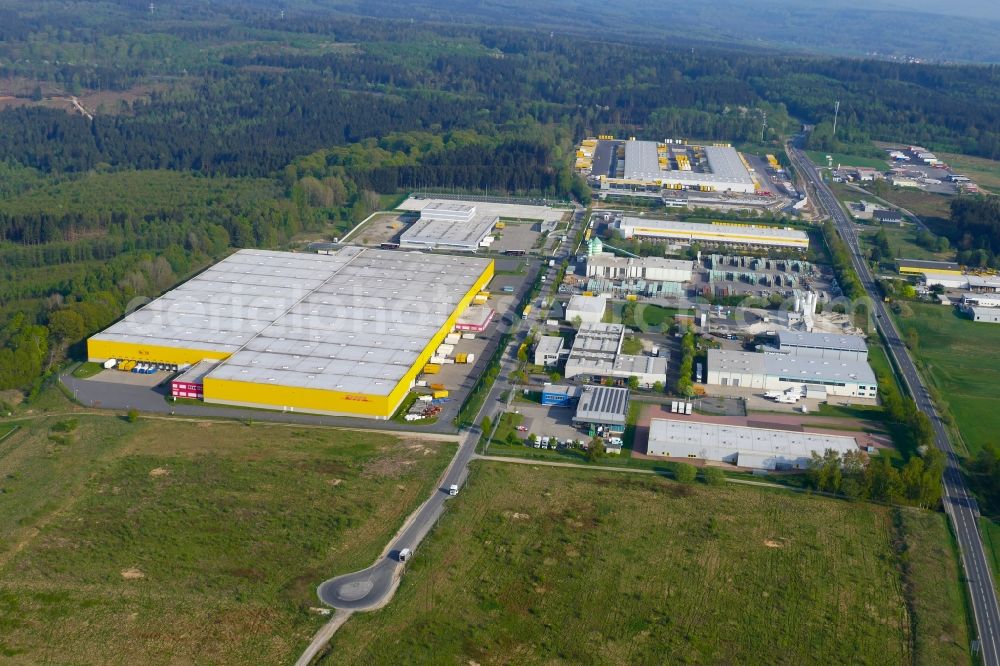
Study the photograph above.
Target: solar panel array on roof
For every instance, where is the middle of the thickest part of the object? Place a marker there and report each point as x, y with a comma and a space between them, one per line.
602, 404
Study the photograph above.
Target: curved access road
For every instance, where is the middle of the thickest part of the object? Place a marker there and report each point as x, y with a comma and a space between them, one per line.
959, 504
373, 587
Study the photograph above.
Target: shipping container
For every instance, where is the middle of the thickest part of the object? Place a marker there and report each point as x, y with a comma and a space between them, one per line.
461, 358
425, 398
437, 359
470, 358
468, 336
432, 369
436, 387
452, 338
440, 394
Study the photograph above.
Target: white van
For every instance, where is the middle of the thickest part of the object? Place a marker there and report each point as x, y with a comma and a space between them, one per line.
453, 489
404, 554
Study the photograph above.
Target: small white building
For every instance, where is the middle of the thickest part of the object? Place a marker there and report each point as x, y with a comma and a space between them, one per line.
590, 309
548, 350
981, 300
759, 448
990, 315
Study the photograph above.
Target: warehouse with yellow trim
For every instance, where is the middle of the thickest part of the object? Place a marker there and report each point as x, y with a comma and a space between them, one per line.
341, 334
716, 234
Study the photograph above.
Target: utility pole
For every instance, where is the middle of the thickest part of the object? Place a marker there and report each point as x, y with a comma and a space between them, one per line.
836, 112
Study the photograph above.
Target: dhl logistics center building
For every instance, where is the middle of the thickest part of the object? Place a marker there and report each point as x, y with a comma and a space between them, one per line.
342, 334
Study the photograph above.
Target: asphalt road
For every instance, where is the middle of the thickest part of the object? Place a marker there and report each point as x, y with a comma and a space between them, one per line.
959, 504
373, 587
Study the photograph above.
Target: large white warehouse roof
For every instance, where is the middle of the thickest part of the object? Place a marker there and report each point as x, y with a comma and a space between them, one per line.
742, 234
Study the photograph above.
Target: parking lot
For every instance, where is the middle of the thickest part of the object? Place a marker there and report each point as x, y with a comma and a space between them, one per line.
516, 237
548, 421
132, 378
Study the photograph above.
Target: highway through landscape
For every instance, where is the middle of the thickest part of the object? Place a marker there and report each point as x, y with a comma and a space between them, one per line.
959, 504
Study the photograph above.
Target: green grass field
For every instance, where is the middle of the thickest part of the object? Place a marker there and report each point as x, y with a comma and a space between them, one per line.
962, 358
903, 243
86, 370
990, 532
182, 542
932, 208
542, 566
819, 158
984, 172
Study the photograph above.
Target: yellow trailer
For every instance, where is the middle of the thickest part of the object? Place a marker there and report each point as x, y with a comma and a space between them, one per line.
440, 394
432, 369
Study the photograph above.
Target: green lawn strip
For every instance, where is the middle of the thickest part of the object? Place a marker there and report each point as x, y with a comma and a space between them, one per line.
961, 358
843, 159
87, 370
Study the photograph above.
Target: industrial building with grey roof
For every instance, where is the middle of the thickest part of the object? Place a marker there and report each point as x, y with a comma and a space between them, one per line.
760, 448
449, 226
344, 333
596, 352
649, 163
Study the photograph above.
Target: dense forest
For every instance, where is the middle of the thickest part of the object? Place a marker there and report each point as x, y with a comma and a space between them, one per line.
975, 230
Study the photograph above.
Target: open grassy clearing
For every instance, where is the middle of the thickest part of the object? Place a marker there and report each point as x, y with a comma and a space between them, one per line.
962, 360
87, 370
182, 542
902, 240
932, 208
843, 159
984, 172
542, 566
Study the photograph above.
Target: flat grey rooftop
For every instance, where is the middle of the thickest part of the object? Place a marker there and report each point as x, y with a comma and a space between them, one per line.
790, 368
818, 340
592, 304
699, 434
352, 321
446, 233
726, 165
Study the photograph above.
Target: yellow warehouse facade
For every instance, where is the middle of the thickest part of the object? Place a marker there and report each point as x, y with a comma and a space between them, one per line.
341, 334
